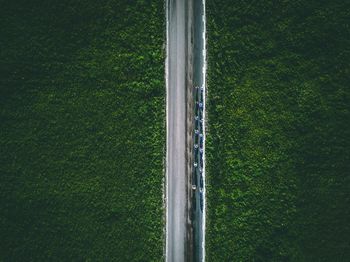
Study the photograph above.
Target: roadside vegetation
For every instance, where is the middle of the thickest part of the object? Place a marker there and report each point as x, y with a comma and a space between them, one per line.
82, 130
278, 131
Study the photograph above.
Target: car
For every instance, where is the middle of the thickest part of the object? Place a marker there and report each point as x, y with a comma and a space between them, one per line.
199, 123
196, 154
201, 201
196, 140
201, 142
194, 200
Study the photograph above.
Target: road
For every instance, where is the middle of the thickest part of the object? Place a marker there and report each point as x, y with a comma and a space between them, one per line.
178, 237
198, 199
184, 218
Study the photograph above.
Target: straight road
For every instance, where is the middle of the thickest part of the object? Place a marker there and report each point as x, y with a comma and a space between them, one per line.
178, 224
185, 70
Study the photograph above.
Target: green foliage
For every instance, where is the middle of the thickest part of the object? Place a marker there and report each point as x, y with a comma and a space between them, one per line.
278, 133
82, 130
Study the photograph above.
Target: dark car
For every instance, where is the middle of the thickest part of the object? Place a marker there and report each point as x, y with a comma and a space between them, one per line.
201, 201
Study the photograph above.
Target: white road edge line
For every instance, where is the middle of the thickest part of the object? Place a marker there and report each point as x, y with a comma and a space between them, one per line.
204, 123
167, 125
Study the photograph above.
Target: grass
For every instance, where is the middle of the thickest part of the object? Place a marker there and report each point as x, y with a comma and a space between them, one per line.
278, 147
82, 130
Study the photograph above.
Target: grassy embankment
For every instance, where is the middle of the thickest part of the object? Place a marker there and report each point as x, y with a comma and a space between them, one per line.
82, 130
279, 128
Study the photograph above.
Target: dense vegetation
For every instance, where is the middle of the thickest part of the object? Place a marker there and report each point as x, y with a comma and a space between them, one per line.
279, 128
82, 130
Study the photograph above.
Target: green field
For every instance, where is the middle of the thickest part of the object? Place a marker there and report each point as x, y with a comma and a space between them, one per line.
278, 130
82, 130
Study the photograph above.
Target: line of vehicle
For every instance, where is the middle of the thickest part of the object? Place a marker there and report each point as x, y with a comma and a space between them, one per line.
198, 183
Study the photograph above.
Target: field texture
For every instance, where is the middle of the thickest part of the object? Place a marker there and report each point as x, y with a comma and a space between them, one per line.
278, 133
81, 130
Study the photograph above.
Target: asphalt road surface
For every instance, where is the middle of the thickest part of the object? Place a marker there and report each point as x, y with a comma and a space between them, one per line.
184, 217
178, 232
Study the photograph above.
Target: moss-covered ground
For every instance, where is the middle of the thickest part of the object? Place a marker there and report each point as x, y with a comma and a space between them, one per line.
278, 132
81, 130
